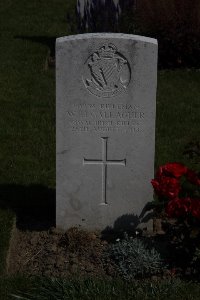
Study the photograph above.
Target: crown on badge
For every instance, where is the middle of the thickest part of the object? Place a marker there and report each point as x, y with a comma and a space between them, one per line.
107, 51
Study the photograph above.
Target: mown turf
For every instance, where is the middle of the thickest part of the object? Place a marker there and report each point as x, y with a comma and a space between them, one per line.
27, 103
14, 284
90, 289
178, 112
27, 110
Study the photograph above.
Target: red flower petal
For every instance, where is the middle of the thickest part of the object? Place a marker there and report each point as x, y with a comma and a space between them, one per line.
178, 207
172, 169
166, 186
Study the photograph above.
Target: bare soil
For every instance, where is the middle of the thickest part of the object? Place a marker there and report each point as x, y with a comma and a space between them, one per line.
55, 253
77, 252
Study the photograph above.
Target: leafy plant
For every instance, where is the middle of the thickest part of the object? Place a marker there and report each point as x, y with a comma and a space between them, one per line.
178, 187
135, 258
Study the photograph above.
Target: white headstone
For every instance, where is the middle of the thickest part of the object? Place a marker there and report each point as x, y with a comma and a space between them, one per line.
106, 105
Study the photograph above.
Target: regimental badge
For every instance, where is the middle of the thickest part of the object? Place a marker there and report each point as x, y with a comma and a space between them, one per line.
107, 72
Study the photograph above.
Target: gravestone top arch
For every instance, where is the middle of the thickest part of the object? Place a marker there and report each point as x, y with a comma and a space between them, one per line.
105, 128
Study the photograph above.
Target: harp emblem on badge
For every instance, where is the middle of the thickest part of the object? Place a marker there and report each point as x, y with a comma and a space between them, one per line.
107, 72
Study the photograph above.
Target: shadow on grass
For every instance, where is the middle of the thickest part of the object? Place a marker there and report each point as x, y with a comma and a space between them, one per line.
44, 40
35, 209
33, 205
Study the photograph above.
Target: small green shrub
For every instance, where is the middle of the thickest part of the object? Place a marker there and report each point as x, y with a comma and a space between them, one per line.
135, 259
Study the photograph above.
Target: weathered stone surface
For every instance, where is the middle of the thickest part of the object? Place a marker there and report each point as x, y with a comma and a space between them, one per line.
106, 100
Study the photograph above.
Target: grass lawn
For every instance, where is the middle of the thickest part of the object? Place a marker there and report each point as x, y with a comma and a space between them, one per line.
27, 113
178, 114
89, 289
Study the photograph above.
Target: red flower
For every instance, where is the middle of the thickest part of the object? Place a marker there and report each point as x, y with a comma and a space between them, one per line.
195, 208
172, 169
178, 207
193, 177
166, 186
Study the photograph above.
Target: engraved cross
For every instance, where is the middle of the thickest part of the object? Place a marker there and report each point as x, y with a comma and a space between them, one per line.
104, 163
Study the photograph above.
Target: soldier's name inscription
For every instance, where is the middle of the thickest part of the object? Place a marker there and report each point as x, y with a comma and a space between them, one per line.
105, 117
